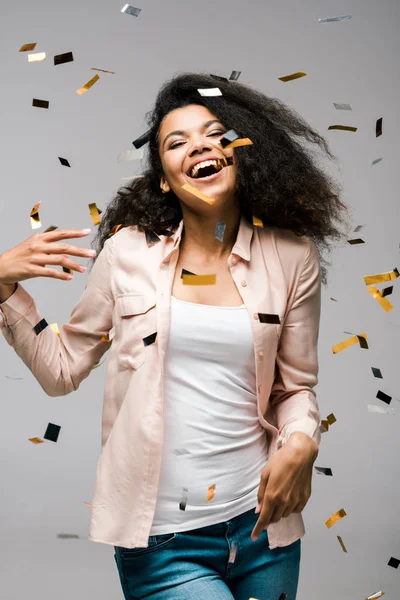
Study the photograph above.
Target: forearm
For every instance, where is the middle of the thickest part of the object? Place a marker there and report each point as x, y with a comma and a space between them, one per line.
301, 441
7, 290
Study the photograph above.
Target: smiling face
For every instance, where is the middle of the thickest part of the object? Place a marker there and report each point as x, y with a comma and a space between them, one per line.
190, 135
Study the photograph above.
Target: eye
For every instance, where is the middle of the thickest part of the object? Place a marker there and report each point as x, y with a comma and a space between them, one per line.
214, 133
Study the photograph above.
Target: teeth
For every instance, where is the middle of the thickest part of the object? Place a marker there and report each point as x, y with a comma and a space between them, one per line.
205, 163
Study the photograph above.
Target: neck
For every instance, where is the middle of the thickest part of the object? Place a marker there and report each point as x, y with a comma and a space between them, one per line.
198, 235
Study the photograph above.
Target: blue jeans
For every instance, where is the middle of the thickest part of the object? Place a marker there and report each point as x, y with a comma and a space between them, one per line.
199, 565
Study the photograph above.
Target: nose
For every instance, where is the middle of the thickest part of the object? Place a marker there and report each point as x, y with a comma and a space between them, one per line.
200, 146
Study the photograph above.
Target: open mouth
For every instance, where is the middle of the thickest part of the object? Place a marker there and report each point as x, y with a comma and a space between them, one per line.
205, 169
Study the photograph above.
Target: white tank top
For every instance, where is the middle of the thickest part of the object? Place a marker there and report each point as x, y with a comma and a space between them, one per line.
212, 435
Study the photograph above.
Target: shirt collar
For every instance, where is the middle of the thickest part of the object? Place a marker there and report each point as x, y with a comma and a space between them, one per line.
242, 244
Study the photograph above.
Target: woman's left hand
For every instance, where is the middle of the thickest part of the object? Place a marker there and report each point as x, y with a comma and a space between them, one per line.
285, 485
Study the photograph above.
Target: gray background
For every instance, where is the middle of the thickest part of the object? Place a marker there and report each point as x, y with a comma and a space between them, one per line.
353, 61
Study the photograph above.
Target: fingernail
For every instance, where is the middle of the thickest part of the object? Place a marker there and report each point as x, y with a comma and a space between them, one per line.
258, 509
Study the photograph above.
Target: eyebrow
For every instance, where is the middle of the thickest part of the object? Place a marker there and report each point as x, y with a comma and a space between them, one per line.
181, 132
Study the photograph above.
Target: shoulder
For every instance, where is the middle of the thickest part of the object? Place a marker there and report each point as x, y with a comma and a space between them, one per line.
285, 240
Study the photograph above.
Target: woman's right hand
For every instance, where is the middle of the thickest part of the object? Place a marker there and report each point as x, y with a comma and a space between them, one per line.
29, 259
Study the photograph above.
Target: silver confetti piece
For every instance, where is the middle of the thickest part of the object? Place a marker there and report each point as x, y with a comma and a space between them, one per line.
131, 10
376, 161
210, 92
67, 536
135, 154
331, 19
235, 75
342, 106
372, 408
219, 231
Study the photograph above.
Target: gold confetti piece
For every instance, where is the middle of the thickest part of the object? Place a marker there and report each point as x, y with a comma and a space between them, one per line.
379, 127
375, 596
349, 342
342, 106
324, 425
341, 543
135, 154
381, 277
237, 143
342, 127
372, 408
257, 222
377, 295
210, 92
40, 103
95, 213
28, 47
199, 279
89, 505
198, 193
88, 85
115, 229
293, 76
232, 553
37, 57
107, 338
210, 493
331, 419
131, 10
36, 440
102, 71
35, 220
331, 19
54, 326
335, 518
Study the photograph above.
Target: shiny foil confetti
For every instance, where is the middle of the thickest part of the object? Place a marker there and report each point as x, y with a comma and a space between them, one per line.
335, 518
28, 47
394, 562
356, 241
106, 337
210, 92
378, 296
183, 502
219, 77
150, 339
142, 140
257, 222
268, 318
232, 553
61, 59
376, 596
342, 127
349, 342
64, 162
102, 70
331, 419
380, 410
381, 277
324, 470
88, 504
237, 143
228, 137
199, 279
219, 231
131, 10
210, 492
115, 229
95, 213
67, 536
293, 76
377, 372
342, 106
341, 543
136, 154
332, 19
378, 131
39, 56
41, 326
376, 161
152, 238
88, 85
235, 75
198, 193
52, 432
36, 440
40, 103
35, 220
184, 272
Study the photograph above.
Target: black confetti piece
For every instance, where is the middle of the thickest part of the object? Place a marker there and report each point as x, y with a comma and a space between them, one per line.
229, 137
184, 272
64, 162
266, 318
150, 339
384, 397
52, 432
142, 140
40, 103
394, 562
40, 326
151, 238
60, 59
377, 372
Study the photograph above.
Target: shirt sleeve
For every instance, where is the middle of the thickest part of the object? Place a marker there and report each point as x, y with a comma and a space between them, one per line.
292, 395
60, 362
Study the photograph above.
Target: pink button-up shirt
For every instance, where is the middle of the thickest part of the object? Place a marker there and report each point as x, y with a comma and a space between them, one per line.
128, 297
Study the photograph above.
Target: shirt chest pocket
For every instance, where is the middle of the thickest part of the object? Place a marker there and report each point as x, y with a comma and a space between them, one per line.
136, 320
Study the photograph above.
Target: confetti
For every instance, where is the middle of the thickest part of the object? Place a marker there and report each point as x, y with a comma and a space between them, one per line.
28, 47
342, 127
52, 432
228, 137
37, 57
198, 193
341, 543
331, 19
184, 272
235, 75
102, 70
136, 154
379, 127
88, 85
240, 142
150, 339
335, 518
199, 279
376, 161
381, 277
64, 162
219, 77
180, 451
350, 342
36, 440
356, 241
293, 76
219, 231
210, 492
324, 470
88, 504
380, 410
60, 59
378, 296
41, 326
210, 92
95, 213
40, 103
267, 318
68, 536
377, 372
141, 141
131, 10
342, 106
182, 504
257, 222
35, 220
152, 238
394, 562
331, 419
375, 596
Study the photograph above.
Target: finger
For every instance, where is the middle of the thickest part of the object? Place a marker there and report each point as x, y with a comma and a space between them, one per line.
62, 234
262, 522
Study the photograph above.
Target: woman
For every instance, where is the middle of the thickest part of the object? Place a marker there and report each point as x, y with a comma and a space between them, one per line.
209, 409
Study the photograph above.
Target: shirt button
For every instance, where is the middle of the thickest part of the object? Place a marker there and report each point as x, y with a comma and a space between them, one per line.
255, 316
259, 388
260, 354
243, 283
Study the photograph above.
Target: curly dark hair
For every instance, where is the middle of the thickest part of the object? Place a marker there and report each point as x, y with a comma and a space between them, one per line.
277, 179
